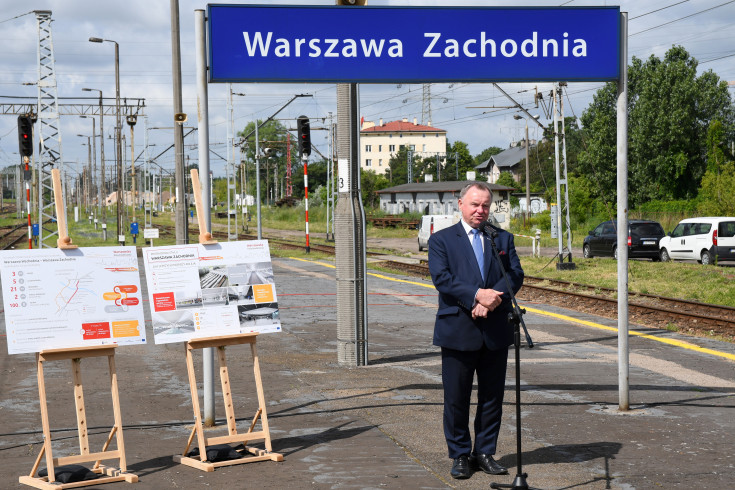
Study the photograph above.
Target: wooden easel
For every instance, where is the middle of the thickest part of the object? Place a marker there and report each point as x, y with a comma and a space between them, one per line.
107, 474
64, 241
250, 454
220, 342
205, 237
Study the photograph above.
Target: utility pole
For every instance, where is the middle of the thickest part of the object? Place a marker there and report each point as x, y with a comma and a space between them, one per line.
561, 180
528, 180
103, 191
182, 224
204, 180
132, 119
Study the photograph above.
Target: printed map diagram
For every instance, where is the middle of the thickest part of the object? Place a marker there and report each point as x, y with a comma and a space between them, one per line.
75, 296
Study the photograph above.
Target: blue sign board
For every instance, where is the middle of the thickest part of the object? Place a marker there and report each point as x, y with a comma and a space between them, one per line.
288, 43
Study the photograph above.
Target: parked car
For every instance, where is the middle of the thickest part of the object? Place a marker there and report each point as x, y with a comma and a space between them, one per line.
431, 223
643, 240
706, 240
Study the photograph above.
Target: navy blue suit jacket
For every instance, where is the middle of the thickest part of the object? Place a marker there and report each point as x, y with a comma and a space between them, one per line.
456, 276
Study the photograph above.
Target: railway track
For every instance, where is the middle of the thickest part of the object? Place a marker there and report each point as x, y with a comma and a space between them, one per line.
10, 236
643, 308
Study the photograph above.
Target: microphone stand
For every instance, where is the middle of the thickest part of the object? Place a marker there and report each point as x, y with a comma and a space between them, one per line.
515, 317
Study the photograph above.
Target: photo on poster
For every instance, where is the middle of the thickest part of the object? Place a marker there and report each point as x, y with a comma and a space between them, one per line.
233, 294
213, 277
251, 273
173, 322
258, 317
215, 297
245, 295
191, 298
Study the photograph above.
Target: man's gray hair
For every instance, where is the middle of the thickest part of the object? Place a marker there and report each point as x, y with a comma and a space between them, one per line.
478, 185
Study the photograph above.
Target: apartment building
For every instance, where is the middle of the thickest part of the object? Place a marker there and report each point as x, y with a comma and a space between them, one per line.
378, 143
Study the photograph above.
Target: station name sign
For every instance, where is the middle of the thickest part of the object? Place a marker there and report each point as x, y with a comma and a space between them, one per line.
286, 43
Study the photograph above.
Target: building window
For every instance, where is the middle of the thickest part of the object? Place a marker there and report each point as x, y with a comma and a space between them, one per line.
423, 135
423, 147
380, 162
368, 148
400, 147
368, 163
392, 148
412, 147
380, 148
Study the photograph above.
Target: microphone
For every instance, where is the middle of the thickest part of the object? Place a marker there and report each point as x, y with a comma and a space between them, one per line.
488, 229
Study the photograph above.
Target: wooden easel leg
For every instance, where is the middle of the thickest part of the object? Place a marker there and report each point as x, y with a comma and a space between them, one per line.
76, 367
44, 421
261, 398
117, 413
195, 404
226, 391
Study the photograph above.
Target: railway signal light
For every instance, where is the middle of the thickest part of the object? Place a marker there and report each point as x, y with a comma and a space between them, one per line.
304, 134
25, 136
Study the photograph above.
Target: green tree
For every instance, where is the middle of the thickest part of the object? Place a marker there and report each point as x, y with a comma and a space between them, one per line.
485, 154
716, 193
669, 112
219, 189
317, 176
717, 150
272, 135
370, 184
464, 161
398, 169
506, 179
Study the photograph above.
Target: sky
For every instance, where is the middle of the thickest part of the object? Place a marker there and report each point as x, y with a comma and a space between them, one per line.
468, 112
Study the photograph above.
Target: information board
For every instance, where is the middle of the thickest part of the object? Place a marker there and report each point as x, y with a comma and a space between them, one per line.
293, 43
209, 290
71, 298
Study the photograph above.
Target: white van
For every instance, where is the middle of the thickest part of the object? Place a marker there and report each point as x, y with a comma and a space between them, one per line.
431, 223
706, 240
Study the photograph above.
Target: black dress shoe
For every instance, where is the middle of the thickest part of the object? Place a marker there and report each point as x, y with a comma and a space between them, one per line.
461, 468
487, 463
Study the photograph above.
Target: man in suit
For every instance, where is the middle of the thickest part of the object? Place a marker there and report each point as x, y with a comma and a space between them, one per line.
472, 328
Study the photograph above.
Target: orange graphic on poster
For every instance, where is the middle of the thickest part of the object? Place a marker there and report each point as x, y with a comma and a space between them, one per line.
120, 295
127, 328
263, 293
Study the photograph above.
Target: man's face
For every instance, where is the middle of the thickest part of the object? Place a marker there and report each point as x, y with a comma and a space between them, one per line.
475, 206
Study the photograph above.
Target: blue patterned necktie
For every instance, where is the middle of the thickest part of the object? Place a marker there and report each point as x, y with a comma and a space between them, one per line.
477, 247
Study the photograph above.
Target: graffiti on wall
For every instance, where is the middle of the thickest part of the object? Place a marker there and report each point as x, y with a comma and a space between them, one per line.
502, 206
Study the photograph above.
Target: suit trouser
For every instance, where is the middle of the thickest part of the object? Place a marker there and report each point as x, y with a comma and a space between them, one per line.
458, 370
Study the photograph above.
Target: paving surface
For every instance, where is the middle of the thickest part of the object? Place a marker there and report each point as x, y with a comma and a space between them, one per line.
379, 426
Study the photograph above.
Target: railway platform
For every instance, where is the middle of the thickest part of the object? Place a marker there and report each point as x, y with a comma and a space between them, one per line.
380, 426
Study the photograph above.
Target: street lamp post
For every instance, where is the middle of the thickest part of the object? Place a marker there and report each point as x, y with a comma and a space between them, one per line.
103, 206
118, 130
